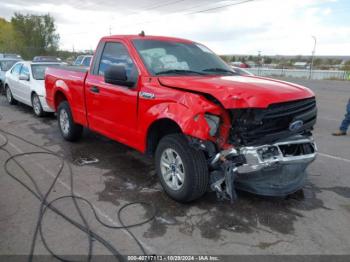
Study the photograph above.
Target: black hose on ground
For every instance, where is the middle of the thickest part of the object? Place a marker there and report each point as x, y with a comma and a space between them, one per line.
46, 205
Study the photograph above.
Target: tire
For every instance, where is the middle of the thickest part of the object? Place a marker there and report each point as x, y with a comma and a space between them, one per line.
69, 130
9, 96
193, 168
37, 107
2, 88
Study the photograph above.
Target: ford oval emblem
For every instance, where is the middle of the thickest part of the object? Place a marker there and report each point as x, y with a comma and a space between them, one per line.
296, 125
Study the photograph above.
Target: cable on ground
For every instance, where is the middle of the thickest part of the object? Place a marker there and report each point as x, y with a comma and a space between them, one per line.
46, 205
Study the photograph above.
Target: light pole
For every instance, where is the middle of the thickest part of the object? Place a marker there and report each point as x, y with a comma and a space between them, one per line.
313, 56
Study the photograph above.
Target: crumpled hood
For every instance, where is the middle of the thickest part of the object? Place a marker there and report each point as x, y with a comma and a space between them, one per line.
240, 91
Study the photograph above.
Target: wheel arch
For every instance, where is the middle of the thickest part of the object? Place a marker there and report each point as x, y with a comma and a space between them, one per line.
59, 97
157, 130
32, 93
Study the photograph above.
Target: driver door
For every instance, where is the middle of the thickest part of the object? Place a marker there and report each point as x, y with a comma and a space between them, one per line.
112, 109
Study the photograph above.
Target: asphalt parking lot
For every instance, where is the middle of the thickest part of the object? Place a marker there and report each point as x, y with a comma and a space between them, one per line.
316, 221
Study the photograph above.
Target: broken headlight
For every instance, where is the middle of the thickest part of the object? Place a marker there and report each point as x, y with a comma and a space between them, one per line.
213, 122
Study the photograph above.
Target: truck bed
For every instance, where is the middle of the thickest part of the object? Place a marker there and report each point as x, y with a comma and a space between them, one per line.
67, 80
82, 69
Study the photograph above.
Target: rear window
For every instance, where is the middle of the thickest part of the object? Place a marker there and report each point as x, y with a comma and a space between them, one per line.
38, 71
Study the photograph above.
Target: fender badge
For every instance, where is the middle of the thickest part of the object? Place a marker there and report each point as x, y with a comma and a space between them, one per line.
147, 95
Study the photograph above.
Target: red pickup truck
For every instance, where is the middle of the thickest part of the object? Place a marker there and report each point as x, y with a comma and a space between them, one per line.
207, 127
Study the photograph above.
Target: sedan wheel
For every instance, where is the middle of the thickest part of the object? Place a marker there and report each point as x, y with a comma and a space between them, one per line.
9, 96
37, 108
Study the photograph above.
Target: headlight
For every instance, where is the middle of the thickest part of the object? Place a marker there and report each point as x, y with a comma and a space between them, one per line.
213, 122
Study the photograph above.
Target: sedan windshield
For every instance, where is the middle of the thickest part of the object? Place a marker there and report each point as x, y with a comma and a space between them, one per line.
180, 58
6, 65
38, 70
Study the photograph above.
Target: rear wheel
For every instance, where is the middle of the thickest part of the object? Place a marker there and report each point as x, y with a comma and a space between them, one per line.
182, 170
37, 108
9, 96
69, 130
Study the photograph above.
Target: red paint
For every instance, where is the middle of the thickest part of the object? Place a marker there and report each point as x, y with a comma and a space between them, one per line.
122, 114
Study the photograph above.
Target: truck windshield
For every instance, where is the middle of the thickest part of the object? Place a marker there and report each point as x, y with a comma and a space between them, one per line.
180, 58
38, 71
6, 65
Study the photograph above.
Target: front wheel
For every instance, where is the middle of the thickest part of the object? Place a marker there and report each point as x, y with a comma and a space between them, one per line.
9, 96
182, 170
69, 130
2, 88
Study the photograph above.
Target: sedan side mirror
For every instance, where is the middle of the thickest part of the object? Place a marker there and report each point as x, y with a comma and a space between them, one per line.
24, 77
116, 75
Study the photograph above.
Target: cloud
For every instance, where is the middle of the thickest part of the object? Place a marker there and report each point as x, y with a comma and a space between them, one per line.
270, 26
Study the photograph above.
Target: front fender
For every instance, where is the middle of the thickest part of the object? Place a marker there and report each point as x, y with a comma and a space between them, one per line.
191, 123
188, 113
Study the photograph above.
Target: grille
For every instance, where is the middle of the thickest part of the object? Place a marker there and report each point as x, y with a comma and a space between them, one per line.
264, 126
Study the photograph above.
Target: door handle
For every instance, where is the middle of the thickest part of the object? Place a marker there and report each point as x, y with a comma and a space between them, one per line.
94, 89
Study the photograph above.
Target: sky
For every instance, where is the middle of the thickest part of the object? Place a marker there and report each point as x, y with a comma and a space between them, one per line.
274, 27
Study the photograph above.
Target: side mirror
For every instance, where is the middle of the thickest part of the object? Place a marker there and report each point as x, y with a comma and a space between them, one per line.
24, 77
116, 75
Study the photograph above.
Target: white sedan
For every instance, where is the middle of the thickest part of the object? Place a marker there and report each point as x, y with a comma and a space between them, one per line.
24, 82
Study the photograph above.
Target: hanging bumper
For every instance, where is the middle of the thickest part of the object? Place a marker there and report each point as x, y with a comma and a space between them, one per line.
272, 170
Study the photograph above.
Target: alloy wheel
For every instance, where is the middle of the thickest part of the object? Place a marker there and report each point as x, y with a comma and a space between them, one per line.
172, 169
36, 105
64, 122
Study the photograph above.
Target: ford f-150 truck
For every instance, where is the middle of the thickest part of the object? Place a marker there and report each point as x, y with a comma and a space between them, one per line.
208, 127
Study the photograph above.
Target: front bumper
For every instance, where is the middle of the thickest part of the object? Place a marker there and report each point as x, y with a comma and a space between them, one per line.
278, 169
277, 174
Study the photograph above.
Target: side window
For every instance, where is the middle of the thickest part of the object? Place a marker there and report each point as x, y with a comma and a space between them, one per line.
116, 54
15, 71
24, 70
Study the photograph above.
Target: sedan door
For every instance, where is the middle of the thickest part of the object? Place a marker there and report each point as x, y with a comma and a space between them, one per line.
23, 85
12, 80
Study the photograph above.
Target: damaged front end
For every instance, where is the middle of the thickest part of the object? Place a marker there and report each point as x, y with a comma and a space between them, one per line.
269, 150
278, 169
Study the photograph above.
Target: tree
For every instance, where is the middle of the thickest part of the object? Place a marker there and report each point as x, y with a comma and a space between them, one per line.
267, 60
37, 34
346, 66
8, 37
318, 62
